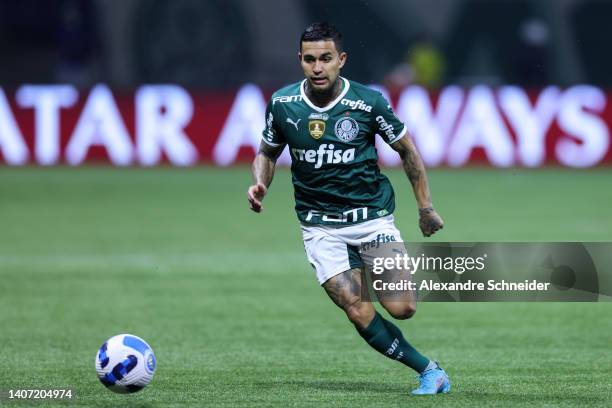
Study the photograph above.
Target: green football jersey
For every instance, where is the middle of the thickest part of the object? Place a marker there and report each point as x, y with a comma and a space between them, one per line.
334, 166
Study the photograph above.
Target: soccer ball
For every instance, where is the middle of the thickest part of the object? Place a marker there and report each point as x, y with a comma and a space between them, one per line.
125, 363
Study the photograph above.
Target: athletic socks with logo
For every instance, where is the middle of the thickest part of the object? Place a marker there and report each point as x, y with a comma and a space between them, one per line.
386, 338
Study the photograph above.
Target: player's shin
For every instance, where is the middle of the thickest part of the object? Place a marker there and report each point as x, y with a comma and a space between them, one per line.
387, 339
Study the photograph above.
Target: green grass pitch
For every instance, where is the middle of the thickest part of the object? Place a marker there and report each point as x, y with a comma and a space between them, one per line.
233, 311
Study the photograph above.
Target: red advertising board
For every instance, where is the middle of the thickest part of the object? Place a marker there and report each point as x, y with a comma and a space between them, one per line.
502, 127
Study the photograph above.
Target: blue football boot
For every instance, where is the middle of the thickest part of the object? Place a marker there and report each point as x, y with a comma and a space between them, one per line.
433, 381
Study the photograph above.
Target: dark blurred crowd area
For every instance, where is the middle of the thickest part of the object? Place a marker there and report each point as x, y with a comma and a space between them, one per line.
219, 44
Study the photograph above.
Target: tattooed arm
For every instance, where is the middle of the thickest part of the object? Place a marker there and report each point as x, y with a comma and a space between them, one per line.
429, 220
263, 172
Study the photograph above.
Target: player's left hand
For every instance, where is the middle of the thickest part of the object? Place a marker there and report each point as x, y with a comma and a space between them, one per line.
429, 221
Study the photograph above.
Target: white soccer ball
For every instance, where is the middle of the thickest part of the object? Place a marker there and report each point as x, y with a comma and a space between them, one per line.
125, 363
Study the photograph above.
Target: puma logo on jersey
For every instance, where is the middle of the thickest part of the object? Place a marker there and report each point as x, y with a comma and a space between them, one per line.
324, 154
359, 104
294, 123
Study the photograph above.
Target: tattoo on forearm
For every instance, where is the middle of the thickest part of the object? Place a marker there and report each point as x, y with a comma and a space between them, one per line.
263, 169
412, 166
415, 171
265, 163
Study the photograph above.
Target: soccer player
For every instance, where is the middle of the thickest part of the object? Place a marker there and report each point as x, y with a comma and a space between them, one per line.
342, 200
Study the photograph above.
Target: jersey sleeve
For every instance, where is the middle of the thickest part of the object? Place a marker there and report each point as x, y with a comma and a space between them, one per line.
272, 133
386, 123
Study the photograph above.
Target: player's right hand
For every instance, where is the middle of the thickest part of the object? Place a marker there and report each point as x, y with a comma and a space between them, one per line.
429, 221
255, 194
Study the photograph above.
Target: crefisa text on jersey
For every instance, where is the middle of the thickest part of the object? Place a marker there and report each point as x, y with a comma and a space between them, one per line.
358, 104
324, 154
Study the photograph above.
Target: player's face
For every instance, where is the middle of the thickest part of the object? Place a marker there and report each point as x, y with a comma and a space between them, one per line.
321, 63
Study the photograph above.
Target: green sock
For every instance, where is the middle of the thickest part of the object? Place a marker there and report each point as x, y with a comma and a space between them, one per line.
386, 338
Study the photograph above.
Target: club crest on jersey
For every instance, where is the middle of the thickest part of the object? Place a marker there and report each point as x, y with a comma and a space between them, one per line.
346, 129
316, 128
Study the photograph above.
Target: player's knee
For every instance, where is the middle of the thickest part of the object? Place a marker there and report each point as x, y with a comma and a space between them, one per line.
360, 314
402, 311
355, 313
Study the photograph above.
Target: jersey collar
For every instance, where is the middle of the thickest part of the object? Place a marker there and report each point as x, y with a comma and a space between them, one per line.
332, 103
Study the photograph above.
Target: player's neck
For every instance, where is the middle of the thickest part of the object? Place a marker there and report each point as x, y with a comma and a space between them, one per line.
322, 99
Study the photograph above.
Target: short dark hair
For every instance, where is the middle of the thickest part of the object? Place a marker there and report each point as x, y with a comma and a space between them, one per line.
322, 32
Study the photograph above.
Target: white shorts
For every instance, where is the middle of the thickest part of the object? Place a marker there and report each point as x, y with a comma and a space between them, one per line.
332, 250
